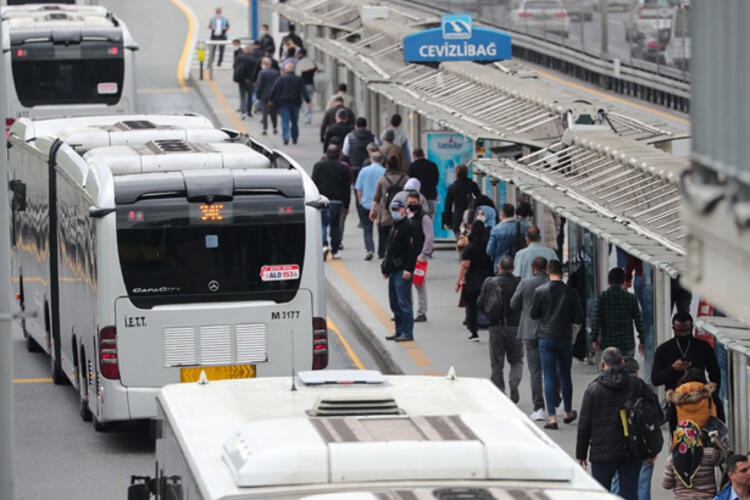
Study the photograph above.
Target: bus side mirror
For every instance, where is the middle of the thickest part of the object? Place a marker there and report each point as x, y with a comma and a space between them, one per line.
320, 203
18, 189
98, 213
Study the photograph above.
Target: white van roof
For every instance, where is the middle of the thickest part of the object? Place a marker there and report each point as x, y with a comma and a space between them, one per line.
358, 426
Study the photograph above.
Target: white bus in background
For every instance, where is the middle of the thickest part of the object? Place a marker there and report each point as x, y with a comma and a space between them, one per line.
65, 60
148, 248
347, 434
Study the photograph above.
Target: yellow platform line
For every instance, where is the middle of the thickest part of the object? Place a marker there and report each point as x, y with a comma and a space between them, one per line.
349, 351
415, 353
226, 107
186, 48
32, 380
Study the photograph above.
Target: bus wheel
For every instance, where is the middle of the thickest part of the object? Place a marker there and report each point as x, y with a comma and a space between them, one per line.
31, 344
84, 409
56, 371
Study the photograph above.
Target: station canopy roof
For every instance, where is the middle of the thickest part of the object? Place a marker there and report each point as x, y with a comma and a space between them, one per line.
733, 334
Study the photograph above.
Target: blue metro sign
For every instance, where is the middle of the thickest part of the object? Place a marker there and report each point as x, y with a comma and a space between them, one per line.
457, 40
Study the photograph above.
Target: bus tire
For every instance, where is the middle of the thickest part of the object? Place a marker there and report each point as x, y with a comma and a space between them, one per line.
83, 405
56, 372
31, 344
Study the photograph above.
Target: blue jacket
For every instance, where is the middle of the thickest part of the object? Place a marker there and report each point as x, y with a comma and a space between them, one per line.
289, 90
500, 237
724, 493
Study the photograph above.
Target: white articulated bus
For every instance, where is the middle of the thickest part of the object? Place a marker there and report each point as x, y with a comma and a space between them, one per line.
148, 248
348, 434
65, 60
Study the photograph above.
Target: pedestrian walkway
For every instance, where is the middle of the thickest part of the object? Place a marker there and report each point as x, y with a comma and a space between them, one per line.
358, 288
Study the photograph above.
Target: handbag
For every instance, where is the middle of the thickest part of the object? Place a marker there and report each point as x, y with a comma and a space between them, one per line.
420, 272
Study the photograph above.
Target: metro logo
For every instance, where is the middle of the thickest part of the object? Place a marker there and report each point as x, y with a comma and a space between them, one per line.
457, 27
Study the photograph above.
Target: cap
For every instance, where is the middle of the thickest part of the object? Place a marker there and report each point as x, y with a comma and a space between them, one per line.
397, 204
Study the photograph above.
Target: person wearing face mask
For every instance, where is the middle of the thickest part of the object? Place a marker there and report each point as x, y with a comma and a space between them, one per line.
397, 267
424, 240
674, 357
266, 40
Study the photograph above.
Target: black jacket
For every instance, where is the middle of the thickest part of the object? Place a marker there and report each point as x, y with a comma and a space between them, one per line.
698, 352
329, 118
332, 179
427, 173
401, 251
359, 138
264, 84
245, 68
600, 425
289, 90
457, 201
267, 44
508, 284
557, 307
339, 130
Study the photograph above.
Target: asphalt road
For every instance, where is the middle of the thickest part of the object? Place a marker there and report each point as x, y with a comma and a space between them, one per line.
57, 455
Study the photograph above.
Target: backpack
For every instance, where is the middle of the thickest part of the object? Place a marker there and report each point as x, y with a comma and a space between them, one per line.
494, 302
641, 420
517, 241
393, 190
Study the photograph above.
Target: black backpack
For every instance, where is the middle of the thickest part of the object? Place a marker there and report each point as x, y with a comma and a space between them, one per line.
393, 190
517, 241
641, 420
494, 302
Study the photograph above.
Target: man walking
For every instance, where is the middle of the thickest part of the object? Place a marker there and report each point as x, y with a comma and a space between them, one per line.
332, 179
738, 471
390, 149
673, 358
329, 117
291, 36
615, 312
306, 69
287, 95
397, 267
266, 40
339, 129
504, 236
527, 331
355, 145
263, 86
534, 249
365, 186
391, 182
429, 176
600, 433
498, 291
218, 25
557, 307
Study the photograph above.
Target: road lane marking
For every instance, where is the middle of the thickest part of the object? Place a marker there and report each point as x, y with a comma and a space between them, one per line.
188, 44
349, 351
163, 91
415, 353
609, 97
226, 107
32, 380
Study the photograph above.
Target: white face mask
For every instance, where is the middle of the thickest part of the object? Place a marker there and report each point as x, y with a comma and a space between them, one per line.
481, 217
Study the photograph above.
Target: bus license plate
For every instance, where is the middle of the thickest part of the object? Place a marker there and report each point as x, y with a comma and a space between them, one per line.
217, 372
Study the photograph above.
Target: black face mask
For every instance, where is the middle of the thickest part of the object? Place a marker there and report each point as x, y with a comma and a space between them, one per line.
414, 208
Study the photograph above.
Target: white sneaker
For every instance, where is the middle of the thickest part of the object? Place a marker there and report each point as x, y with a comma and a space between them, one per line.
326, 251
538, 415
336, 256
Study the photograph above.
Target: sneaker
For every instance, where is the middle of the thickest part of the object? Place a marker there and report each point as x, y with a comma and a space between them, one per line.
275, 131
420, 319
243, 116
538, 415
335, 256
392, 337
474, 338
326, 251
514, 396
403, 338
294, 141
286, 142
368, 256
264, 133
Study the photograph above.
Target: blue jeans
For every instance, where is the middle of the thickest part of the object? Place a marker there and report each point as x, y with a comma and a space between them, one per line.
331, 219
366, 223
399, 297
627, 473
556, 356
644, 481
289, 116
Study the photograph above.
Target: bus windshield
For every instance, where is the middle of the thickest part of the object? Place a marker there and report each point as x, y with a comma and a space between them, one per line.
87, 73
172, 251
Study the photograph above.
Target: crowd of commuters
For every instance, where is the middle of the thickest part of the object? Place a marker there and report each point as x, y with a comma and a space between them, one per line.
510, 279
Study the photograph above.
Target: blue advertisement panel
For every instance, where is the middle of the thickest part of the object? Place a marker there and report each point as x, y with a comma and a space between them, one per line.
457, 40
446, 149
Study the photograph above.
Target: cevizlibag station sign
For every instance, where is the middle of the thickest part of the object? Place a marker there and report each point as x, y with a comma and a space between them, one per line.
457, 40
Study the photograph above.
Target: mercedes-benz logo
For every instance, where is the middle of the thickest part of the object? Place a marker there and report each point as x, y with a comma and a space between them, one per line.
213, 286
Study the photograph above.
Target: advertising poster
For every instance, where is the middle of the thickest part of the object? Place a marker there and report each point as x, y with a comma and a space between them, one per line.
446, 149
